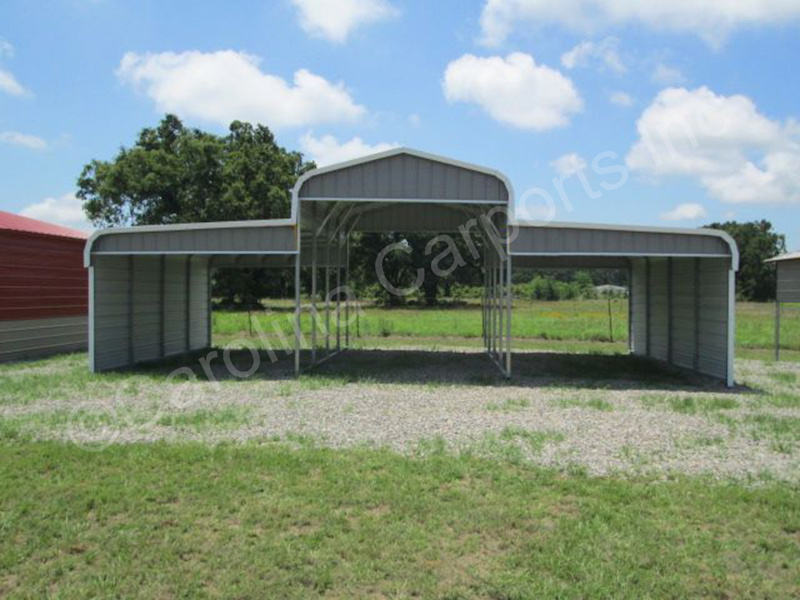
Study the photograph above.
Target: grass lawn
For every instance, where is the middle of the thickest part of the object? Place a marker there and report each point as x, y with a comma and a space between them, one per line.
533, 322
160, 521
190, 504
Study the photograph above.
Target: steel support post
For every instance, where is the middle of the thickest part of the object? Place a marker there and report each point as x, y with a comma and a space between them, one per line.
314, 300
297, 300
327, 296
338, 293
347, 297
510, 305
777, 330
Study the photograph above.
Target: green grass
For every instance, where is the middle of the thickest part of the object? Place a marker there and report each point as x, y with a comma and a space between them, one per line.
592, 403
509, 405
583, 321
229, 417
154, 521
783, 433
690, 405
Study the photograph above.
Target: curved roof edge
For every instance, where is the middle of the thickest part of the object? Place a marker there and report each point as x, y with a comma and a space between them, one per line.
718, 233
396, 152
783, 257
87, 249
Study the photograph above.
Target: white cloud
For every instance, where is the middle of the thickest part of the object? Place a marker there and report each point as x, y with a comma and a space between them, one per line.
22, 139
335, 20
712, 20
327, 150
66, 210
513, 90
685, 212
10, 85
569, 164
605, 51
665, 75
736, 153
6, 49
620, 99
224, 86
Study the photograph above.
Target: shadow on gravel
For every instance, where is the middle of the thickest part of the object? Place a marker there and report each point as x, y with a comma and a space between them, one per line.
531, 369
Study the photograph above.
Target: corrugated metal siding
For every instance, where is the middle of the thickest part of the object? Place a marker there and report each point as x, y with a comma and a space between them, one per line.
689, 326
41, 277
658, 298
713, 326
199, 305
128, 298
111, 320
789, 281
683, 335
560, 240
406, 177
32, 338
228, 240
638, 301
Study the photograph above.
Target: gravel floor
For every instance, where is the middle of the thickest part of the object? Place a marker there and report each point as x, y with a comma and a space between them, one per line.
601, 414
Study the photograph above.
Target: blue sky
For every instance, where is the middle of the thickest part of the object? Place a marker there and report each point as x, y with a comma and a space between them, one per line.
691, 107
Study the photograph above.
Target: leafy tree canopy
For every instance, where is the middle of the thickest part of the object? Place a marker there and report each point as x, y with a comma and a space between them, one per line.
175, 174
757, 241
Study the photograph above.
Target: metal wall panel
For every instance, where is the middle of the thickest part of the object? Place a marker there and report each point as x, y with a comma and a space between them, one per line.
688, 312
34, 338
658, 297
714, 317
683, 320
134, 323
41, 277
111, 309
146, 303
199, 305
638, 299
405, 176
789, 280
175, 306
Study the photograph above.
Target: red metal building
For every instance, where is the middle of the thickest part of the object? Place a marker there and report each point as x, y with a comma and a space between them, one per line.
44, 296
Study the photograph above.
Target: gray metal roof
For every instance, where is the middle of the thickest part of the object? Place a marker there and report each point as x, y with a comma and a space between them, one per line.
783, 257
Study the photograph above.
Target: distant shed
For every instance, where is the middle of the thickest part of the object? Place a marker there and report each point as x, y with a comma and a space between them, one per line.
788, 289
44, 292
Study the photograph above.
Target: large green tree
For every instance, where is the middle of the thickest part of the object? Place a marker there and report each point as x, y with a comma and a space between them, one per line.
757, 241
176, 174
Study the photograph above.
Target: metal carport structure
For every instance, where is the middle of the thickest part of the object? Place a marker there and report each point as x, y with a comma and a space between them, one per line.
149, 286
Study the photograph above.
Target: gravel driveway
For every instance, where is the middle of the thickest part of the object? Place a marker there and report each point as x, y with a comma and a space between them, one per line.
601, 414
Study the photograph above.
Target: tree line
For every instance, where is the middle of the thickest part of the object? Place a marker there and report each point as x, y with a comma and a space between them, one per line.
176, 174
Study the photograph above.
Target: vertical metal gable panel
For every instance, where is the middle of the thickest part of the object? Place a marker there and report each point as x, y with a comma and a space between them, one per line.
789, 280
404, 176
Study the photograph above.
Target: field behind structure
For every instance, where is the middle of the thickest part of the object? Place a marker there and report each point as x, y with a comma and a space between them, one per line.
407, 467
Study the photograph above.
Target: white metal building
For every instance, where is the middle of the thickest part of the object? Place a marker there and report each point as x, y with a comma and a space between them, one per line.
149, 286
